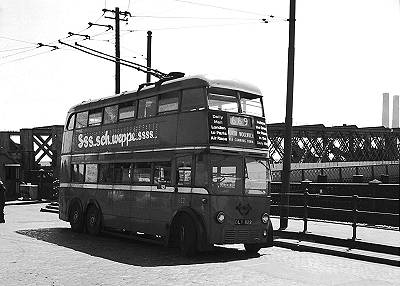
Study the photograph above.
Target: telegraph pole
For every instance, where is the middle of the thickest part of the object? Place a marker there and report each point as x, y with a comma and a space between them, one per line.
284, 205
148, 55
117, 53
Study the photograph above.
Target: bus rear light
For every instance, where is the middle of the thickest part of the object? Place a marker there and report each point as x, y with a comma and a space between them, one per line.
265, 233
265, 218
220, 217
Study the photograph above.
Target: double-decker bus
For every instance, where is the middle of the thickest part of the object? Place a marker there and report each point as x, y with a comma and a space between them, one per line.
183, 161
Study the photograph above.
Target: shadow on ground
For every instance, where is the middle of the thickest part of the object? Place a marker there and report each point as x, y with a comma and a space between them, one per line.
130, 251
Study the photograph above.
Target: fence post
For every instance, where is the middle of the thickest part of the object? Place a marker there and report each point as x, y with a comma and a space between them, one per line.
355, 201
374, 185
305, 185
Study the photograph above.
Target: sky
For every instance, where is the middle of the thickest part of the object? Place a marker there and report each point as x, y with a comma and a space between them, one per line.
347, 54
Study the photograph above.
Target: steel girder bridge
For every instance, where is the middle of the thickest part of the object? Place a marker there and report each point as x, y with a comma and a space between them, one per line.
347, 143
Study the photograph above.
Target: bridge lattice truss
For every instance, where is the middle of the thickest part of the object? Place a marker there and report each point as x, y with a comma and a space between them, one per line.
317, 143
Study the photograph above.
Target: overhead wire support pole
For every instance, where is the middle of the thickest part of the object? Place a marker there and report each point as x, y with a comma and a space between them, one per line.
284, 202
117, 53
148, 75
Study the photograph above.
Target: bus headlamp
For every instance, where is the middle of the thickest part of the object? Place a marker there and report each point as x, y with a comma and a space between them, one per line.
265, 218
220, 217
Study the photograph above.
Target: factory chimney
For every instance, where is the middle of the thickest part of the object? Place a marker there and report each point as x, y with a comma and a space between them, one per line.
395, 113
385, 110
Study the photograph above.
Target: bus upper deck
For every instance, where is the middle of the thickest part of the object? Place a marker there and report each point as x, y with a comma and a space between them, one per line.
194, 111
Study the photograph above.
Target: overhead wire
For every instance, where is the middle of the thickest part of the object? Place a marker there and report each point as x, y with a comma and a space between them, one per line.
23, 58
218, 7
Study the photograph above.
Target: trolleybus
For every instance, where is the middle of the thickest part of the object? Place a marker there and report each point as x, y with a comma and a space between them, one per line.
181, 161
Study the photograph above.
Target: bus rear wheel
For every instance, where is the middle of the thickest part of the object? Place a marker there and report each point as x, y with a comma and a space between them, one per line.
252, 248
76, 218
187, 236
93, 220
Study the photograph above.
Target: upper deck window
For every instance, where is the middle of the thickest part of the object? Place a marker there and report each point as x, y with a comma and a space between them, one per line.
223, 100
71, 122
168, 102
95, 117
192, 99
127, 110
110, 114
147, 107
81, 119
251, 104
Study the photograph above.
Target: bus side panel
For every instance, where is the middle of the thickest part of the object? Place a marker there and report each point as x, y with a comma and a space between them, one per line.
160, 209
192, 128
63, 202
140, 215
167, 130
122, 201
104, 199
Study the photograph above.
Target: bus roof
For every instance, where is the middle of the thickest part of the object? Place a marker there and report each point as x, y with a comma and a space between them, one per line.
170, 85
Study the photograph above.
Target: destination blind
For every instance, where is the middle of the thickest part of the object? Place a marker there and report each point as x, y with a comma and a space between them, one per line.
237, 130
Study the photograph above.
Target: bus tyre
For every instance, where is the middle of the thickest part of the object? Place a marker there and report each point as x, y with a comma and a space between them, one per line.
252, 248
187, 236
76, 218
93, 220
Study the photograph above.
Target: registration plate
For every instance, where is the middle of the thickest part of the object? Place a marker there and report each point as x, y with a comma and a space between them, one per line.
243, 221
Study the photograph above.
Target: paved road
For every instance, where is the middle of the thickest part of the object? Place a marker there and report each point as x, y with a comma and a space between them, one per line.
38, 249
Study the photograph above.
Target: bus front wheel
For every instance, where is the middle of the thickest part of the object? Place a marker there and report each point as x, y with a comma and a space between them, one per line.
93, 220
187, 236
252, 248
76, 218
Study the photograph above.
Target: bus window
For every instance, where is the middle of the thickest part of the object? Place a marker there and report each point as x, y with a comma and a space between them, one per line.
162, 173
147, 107
200, 179
142, 172
71, 122
91, 173
222, 99
226, 176
81, 119
192, 99
251, 104
127, 110
184, 170
78, 171
95, 117
106, 173
123, 172
256, 176
168, 102
110, 114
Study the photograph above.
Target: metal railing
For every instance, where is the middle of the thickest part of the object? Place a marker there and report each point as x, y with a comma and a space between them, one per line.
327, 201
387, 173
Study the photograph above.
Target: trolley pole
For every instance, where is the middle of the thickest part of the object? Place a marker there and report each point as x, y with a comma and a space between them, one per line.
148, 55
284, 204
117, 53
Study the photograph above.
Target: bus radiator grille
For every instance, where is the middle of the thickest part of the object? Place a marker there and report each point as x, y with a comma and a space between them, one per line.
240, 235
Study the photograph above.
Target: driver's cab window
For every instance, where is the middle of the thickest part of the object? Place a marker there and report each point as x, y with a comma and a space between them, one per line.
226, 174
184, 170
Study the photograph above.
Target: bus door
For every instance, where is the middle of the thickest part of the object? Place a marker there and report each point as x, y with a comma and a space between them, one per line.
183, 184
161, 195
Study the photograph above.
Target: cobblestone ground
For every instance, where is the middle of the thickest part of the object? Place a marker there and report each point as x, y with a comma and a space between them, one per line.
38, 249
